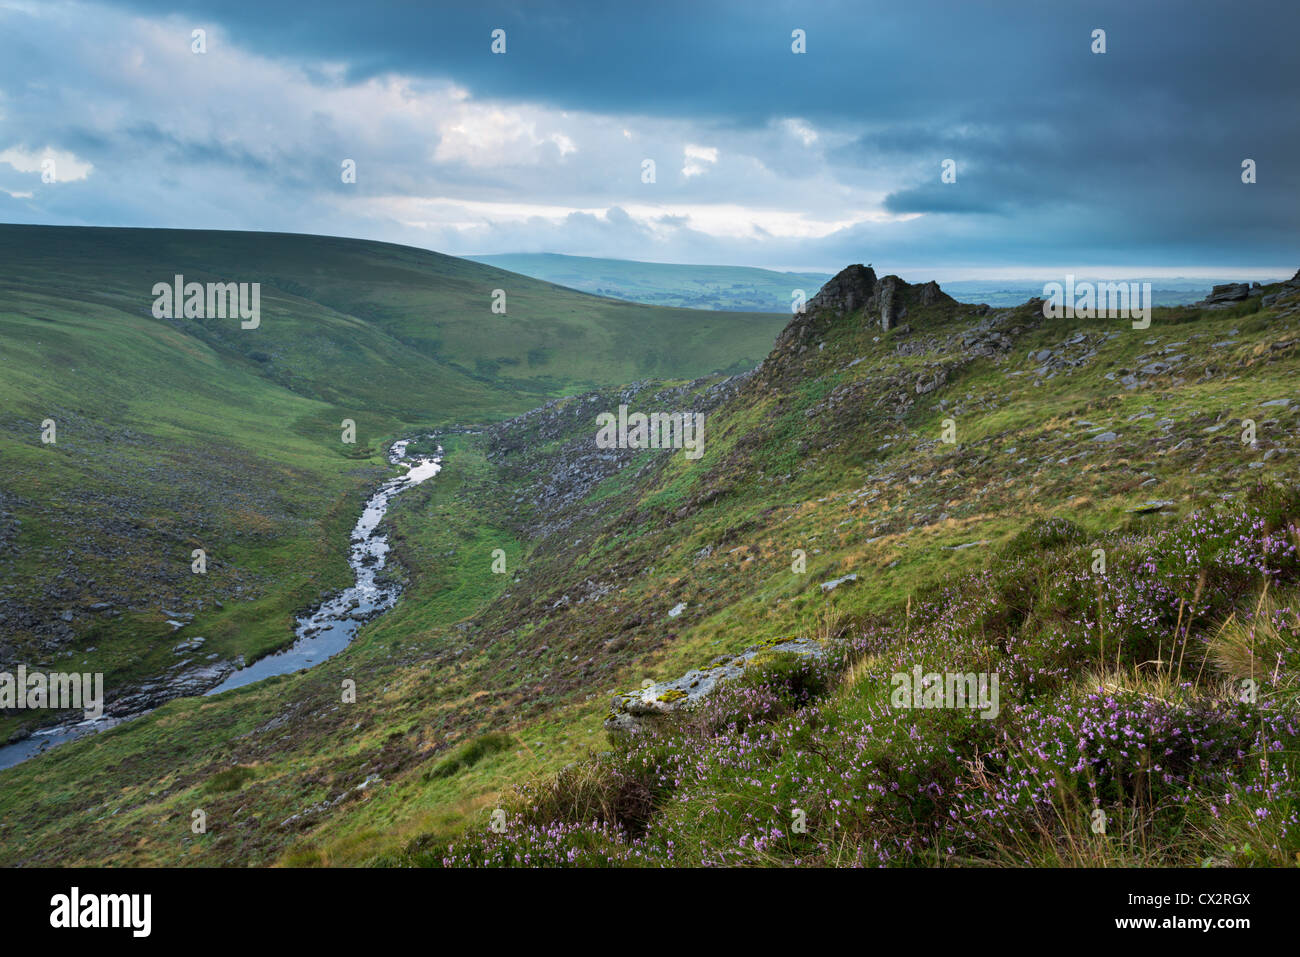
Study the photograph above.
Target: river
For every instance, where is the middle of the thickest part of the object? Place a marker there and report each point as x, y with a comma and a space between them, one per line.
321, 634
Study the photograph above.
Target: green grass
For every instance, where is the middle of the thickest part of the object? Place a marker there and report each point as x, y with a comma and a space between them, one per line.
829, 451
185, 434
375, 327
471, 753
1186, 773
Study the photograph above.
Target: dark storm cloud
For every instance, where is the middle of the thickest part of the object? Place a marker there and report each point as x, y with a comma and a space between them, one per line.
732, 59
1061, 154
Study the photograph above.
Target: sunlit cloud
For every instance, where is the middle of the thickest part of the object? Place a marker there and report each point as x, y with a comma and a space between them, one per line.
57, 165
698, 159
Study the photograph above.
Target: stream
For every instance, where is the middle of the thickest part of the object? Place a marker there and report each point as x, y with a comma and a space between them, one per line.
321, 634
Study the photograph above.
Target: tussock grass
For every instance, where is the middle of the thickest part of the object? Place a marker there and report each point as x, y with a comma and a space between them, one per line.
1261, 646
471, 753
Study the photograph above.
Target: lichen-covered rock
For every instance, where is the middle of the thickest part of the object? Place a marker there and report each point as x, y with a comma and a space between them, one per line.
632, 709
835, 583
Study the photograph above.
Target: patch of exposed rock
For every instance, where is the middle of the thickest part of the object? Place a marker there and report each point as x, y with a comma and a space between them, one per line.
1227, 294
1231, 293
553, 448
634, 709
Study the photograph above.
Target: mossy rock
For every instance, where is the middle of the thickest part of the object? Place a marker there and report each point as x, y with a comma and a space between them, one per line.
762, 660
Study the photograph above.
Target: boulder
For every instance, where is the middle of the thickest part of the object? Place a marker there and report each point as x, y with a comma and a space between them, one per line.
926, 384
1225, 294
835, 583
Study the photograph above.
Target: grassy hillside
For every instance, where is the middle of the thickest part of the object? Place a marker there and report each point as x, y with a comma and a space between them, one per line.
666, 284
483, 691
179, 434
383, 327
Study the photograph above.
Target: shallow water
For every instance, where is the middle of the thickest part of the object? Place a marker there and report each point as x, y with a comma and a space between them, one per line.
321, 634
328, 630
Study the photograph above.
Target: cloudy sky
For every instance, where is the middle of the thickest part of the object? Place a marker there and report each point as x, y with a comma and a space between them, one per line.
1128, 161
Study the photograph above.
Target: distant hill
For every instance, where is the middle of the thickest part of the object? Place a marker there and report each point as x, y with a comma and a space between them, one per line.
385, 326
738, 288
1012, 292
750, 289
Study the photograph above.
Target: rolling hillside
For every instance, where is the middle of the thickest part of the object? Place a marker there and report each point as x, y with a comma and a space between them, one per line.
177, 434
382, 327
931, 495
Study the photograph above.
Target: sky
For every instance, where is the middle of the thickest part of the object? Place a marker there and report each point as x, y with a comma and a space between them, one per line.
1119, 163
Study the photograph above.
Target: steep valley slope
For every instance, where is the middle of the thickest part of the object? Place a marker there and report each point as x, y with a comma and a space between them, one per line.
176, 434
954, 469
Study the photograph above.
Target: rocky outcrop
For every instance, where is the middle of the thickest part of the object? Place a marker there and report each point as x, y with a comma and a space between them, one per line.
632, 710
1230, 293
881, 302
1226, 294
1286, 292
852, 288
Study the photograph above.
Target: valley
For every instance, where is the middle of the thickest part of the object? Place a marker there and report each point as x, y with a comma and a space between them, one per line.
184, 434
949, 473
